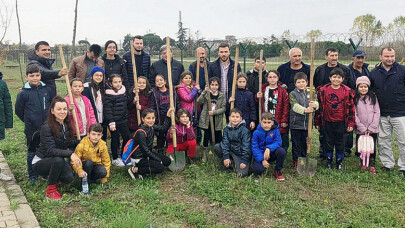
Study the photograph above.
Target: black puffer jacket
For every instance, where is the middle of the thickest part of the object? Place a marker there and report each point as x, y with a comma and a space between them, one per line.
160, 67
56, 146
115, 106
116, 66
145, 141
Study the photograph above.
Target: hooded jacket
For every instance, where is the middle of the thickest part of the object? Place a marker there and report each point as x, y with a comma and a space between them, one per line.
367, 116
204, 122
187, 96
265, 139
183, 134
115, 108
237, 140
6, 109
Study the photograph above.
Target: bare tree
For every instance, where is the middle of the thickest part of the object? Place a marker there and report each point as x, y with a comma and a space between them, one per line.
5, 16
74, 32
19, 44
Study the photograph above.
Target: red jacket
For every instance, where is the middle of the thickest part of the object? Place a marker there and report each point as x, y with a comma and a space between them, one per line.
144, 101
283, 106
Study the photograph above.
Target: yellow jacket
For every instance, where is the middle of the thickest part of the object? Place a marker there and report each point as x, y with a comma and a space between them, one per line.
98, 154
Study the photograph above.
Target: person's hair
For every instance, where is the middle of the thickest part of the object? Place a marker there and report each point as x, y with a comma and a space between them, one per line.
223, 45
51, 120
289, 52
75, 80
184, 74
300, 75
370, 94
147, 111
388, 48
41, 43
147, 92
332, 49
96, 127
108, 43
214, 79
30, 69
96, 49
235, 110
337, 71
273, 71
258, 58
139, 37
180, 112
267, 116
164, 47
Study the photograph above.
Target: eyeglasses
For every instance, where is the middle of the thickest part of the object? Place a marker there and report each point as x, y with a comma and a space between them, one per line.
111, 48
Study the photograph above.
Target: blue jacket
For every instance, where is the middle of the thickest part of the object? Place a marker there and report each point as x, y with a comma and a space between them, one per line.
287, 74
390, 89
145, 67
214, 70
236, 140
32, 106
265, 139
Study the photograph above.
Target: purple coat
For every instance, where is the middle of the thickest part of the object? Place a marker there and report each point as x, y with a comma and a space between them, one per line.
367, 116
187, 96
183, 134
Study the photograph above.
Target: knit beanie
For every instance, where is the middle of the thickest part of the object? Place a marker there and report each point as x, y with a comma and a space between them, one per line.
363, 80
97, 69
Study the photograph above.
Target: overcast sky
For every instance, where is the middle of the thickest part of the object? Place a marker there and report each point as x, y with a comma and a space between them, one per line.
101, 20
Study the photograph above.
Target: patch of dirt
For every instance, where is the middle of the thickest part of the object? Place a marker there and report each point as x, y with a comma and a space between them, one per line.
72, 208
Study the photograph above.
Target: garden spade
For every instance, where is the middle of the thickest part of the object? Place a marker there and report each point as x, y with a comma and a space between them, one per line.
307, 166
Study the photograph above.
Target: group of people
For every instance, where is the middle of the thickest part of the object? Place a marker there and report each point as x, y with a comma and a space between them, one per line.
104, 97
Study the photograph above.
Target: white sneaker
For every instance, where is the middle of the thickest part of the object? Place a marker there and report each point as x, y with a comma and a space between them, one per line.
118, 162
5, 177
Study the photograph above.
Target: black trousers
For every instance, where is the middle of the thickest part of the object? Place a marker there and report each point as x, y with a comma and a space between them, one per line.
208, 138
334, 133
348, 142
123, 130
56, 168
94, 171
161, 137
299, 143
150, 166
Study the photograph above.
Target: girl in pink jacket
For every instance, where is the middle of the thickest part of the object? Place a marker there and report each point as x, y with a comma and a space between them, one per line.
187, 91
84, 111
367, 115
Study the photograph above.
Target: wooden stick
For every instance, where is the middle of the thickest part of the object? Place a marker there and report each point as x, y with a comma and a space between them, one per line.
235, 74
402, 61
209, 103
169, 76
62, 57
311, 84
197, 81
260, 83
138, 112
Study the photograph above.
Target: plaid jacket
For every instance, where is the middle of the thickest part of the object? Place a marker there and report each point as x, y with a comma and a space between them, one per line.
349, 106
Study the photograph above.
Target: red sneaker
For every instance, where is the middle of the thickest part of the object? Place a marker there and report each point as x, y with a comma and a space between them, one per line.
52, 192
372, 170
295, 165
363, 167
279, 176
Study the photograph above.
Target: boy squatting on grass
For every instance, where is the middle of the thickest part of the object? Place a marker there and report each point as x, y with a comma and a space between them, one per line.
235, 144
335, 115
93, 153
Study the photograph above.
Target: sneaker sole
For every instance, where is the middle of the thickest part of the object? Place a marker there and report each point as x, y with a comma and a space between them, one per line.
131, 173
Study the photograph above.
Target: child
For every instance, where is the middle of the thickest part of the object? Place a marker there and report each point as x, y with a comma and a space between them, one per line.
185, 134
161, 105
6, 115
145, 161
335, 115
187, 91
84, 110
266, 147
217, 109
115, 115
31, 107
95, 91
367, 115
145, 97
244, 102
301, 106
235, 144
275, 100
93, 153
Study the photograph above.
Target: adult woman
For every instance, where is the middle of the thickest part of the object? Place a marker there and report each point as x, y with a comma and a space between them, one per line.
57, 143
114, 64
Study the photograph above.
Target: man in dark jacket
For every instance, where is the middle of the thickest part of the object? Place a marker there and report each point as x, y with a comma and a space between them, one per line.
289, 69
160, 67
358, 67
41, 57
192, 68
387, 81
222, 68
142, 61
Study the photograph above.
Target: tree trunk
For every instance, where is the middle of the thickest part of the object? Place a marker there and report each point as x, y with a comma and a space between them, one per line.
74, 32
19, 44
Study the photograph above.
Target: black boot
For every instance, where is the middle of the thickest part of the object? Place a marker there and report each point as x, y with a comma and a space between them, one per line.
339, 164
329, 163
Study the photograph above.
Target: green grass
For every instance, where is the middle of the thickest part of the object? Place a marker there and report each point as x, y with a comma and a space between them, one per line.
201, 196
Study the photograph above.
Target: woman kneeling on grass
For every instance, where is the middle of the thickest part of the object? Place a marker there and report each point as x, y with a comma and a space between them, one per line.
57, 143
145, 161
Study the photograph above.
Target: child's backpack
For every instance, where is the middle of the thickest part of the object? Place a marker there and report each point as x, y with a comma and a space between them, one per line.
129, 148
365, 146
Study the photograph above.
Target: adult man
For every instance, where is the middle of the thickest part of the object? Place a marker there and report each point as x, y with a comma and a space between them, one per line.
192, 68
142, 60
358, 67
321, 78
253, 76
223, 69
41, 57
387, 81
81, 66
290, 68
160, 67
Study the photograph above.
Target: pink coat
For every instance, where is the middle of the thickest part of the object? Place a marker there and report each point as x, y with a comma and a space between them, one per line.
91, 119
187, 96
367, 116
183, 134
